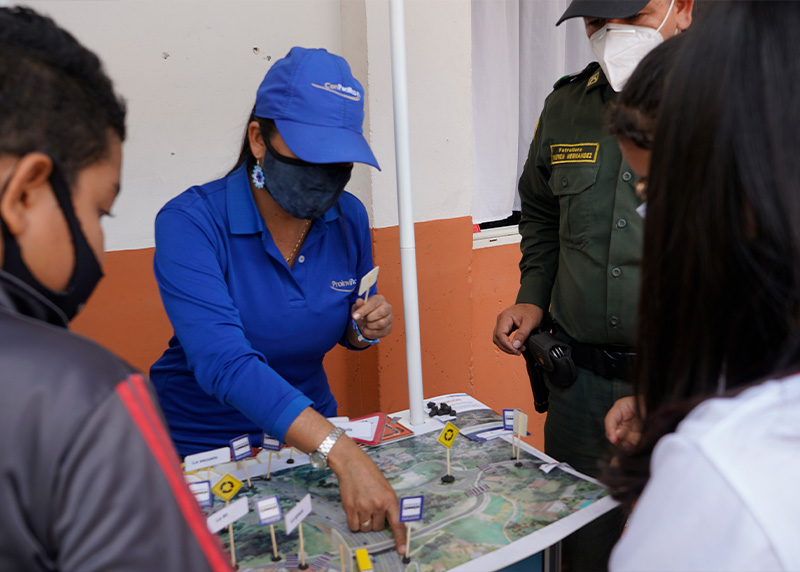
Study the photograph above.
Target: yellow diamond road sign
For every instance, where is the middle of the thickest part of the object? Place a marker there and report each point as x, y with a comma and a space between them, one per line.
448, 435
227, 487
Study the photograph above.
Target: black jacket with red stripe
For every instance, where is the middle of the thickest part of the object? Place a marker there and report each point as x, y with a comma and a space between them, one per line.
88, 477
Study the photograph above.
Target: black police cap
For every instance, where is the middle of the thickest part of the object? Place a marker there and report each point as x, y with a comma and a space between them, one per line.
602, 9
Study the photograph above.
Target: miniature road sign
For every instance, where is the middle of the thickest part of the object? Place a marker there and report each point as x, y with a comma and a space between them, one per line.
295, 516
410, 510
520, 429
448, 435
508, 425
294, 519
270, 444
362, 558
367, 281
240, 447
508, 419
206, 459
446, 438
228, 515
227, 487
345, 552
202, 492
520, 423
269, 512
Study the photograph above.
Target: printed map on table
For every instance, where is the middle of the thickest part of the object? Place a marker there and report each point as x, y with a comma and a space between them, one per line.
491, 504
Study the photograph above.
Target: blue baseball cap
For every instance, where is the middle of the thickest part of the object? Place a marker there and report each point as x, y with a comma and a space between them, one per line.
318, 107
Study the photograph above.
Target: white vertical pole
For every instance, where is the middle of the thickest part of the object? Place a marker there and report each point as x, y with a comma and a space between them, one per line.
408, 258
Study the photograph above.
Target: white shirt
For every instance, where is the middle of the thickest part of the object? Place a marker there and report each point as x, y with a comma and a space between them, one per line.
724, 492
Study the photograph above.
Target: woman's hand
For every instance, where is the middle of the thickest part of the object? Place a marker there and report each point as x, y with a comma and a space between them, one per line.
368, 500
374, 318
624, 424
367, 497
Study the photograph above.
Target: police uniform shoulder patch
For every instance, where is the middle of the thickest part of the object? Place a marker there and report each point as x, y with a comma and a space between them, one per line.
586, 72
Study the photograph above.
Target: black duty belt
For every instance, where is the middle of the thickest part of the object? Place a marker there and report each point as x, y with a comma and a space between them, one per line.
609, 361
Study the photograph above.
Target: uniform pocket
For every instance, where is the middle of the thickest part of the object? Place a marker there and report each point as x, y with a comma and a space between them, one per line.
573, 185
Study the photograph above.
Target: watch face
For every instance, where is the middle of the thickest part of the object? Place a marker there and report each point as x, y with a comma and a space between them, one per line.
317, 460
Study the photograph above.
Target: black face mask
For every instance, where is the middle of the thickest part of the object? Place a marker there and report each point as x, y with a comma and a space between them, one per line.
86, 273
304, 190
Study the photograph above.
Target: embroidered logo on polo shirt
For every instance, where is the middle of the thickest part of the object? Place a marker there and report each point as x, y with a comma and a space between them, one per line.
343, 285
341, 90
574, 153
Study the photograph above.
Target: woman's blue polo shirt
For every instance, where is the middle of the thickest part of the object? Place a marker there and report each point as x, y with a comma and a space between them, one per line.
250, 333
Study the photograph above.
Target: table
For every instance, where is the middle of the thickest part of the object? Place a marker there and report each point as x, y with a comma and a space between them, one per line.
494, 514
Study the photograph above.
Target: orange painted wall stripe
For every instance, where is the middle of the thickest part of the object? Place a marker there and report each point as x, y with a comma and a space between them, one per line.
461, 292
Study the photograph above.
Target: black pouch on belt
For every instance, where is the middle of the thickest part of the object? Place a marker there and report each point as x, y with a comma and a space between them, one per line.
554, 357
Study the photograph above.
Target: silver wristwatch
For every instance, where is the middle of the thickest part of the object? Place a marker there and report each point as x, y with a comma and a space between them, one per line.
319, 458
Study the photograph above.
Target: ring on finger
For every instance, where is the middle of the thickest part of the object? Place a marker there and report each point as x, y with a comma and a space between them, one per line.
367, 523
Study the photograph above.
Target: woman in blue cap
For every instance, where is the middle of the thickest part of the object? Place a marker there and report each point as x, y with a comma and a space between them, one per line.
258, 274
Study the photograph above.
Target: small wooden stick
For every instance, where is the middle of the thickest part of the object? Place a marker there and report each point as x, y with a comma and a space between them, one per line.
230, 539
341, 555
408, 539
274, 543
246, 472
448, 461
269, 465
302, 552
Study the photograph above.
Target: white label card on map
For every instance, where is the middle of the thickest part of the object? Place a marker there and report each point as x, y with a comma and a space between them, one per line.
363, 429
508, 419
202, 492
269, 510
411, 508
520, 423
227, 515
240, 446
367, 281
207, 459
300, 511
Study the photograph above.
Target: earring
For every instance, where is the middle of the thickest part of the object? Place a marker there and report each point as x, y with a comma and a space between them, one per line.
258, 176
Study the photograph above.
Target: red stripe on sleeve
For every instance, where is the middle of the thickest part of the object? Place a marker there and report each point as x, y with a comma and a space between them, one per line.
136, 398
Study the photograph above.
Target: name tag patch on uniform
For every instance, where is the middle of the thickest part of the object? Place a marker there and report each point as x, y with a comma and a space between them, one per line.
574, 153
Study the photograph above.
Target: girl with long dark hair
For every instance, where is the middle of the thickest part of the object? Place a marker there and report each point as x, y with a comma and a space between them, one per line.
714, 477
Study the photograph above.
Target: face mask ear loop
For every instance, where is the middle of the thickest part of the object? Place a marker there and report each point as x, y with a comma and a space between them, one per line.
666, 17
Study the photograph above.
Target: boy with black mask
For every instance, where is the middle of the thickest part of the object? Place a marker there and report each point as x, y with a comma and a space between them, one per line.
88, 477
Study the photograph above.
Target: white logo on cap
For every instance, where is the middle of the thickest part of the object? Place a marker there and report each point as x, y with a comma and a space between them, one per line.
339, 89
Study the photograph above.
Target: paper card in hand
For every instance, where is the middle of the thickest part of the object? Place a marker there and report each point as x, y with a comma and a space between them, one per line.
367, 282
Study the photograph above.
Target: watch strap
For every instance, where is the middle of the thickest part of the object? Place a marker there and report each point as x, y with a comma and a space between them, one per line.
327, 444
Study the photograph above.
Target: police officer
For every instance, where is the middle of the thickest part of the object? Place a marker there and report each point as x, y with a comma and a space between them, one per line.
581, 243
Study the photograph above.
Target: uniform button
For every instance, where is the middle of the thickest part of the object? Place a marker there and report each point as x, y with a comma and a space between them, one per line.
301, 259
622, 223
614, 321
564, 182
616, 272
626, 176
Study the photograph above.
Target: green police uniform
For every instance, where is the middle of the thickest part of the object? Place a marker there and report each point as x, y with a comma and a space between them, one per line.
581, 249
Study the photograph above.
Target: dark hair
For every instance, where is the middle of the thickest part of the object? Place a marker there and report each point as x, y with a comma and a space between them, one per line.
267, 128
720, 290
634, 113
54, 94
